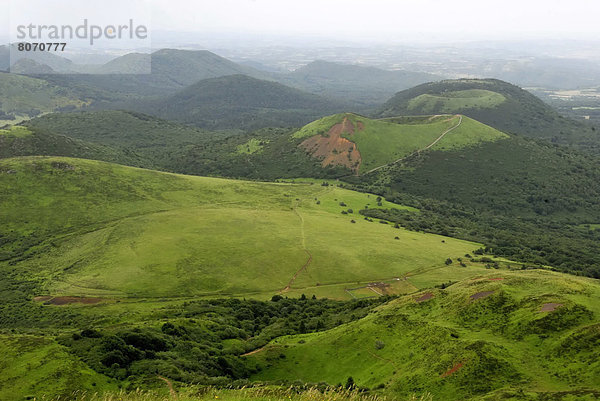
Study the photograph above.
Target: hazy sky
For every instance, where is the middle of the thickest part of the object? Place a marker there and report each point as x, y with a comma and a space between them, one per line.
381, 20
386, 19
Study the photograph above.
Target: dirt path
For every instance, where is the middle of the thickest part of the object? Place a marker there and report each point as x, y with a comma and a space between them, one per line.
309, 260
170, 385
382, 359
375, 291
304, 267
439, 138
256, 351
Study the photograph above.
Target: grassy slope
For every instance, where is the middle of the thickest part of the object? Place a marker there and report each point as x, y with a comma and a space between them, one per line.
96, 228
520, 112
22, 141
449, 102
33, 365
21, 96
383, 141
503, 341
469, 133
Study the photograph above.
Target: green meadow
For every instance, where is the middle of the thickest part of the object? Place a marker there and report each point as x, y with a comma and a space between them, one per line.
469, 133
450, 102
93, 228
501, 346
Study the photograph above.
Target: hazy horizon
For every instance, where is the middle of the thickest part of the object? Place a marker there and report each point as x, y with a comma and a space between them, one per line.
352, 21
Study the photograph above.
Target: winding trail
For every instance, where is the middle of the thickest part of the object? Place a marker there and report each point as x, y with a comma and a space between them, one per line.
382, 359
256, 351
439, 138
309, 260
170, 385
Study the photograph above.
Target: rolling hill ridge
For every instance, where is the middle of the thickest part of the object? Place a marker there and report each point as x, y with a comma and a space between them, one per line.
501, 335
499, 104
365, 145
240, 101
100, 208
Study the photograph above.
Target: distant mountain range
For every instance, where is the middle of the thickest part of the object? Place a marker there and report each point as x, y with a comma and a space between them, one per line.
366, 86
169, 70
240, 101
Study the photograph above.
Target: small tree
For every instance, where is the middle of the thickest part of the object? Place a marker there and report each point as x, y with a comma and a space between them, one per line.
448, 261
350, 383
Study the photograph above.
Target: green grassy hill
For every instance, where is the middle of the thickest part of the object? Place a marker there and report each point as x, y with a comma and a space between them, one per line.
22, 97
492, 336
162, 233
496, 103
110, 275
34, 365
240, 101
23, 141
160, 143
381, 142
175, 147
525, 199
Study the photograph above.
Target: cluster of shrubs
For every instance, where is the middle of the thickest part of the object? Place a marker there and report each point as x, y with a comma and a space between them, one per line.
202, 341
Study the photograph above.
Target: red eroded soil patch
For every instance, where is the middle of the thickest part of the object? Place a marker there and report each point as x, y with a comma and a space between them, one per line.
42, 298
70, 300
496, 279
452, 370
334, 150
482, 294
424, 297
550, 307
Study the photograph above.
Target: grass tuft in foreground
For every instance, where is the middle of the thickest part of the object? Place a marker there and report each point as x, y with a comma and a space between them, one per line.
245, 394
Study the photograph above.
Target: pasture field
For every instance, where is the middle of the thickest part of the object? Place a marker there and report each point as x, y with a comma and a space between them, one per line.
95, 229
114, 276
